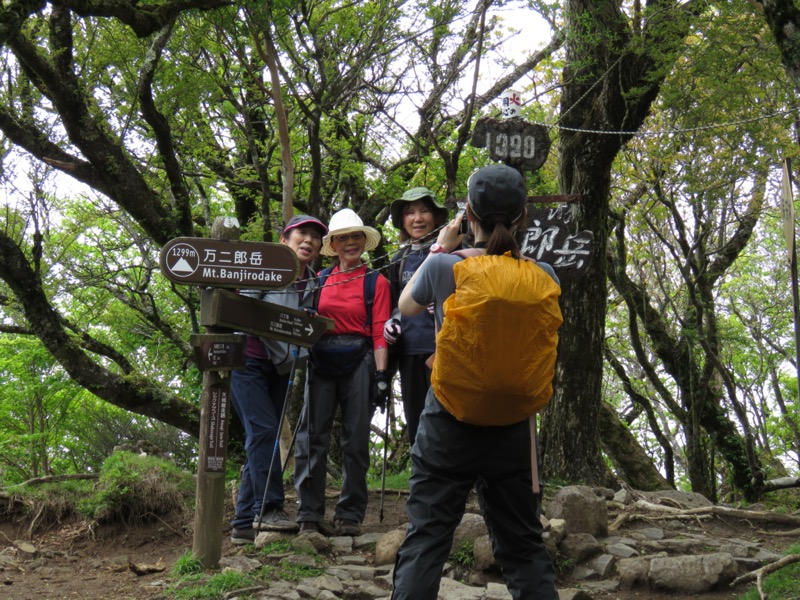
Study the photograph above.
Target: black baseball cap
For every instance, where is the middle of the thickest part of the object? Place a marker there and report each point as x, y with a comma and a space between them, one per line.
497, 190
304, 220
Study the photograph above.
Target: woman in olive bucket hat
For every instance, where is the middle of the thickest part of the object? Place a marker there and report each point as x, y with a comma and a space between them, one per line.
417, 215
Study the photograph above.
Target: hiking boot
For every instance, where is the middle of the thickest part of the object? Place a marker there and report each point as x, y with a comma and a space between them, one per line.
275, 520
241, 537
309, 527
347, 527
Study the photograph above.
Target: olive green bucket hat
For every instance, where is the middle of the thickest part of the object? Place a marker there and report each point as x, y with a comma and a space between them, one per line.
417, 193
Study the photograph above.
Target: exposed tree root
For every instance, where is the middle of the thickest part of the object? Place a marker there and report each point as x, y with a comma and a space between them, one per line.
759, 574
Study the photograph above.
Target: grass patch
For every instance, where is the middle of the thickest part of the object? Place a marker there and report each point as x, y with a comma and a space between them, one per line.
277, 547
217, 585
394, 481
194, 585
464, 556
294, 572
781, 584
186, 566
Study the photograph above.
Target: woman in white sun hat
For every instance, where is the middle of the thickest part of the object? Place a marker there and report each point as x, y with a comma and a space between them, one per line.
348, 370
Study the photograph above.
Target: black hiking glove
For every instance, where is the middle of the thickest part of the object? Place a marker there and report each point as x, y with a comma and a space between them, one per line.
381, 390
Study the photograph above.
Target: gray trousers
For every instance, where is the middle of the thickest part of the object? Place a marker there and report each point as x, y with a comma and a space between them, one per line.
323, 395
448, 458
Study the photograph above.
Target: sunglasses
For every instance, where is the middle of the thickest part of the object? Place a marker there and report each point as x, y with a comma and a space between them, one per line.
346, 237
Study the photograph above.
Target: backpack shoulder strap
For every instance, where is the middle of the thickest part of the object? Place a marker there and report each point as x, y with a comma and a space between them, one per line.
402, 262
313, 287
396, 273
323, 275
370, 280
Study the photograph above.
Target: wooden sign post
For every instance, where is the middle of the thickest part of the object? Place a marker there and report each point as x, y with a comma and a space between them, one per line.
549, 235
210, 488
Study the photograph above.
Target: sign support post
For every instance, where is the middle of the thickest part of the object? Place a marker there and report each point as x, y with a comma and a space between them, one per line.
214, 415
210, 490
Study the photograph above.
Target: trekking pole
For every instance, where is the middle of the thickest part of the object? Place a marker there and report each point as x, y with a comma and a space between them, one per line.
276, 449
291, 443
385, 448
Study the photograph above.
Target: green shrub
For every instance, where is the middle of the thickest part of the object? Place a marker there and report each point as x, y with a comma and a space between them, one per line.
135, 488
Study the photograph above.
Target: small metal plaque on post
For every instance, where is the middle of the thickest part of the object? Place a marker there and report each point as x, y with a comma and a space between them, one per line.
218, 352
222, 308
217, 440
229, 264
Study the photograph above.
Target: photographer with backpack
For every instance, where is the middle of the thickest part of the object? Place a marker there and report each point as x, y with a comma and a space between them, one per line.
498, 317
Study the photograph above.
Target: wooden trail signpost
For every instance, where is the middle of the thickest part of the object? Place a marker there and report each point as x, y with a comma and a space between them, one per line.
550, 234
549, 237
225, 263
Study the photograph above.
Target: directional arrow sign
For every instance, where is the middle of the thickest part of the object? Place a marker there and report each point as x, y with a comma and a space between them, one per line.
226, 263
221, 308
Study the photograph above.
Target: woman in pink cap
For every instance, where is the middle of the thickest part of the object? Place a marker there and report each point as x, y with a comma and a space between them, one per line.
259, 390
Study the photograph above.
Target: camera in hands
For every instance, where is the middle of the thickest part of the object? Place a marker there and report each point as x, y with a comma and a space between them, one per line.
462, 210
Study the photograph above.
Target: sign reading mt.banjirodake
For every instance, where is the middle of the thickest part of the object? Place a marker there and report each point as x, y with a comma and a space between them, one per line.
232, 264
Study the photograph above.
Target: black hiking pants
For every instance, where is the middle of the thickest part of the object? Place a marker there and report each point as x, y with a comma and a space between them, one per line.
448, 459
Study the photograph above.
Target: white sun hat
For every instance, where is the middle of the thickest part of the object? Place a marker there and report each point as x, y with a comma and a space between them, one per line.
347, 221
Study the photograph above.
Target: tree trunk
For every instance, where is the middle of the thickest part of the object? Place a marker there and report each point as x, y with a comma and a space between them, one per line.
632, 463
613, 72
783, 17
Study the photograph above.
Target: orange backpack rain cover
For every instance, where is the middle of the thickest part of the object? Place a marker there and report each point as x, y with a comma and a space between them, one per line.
496, 352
